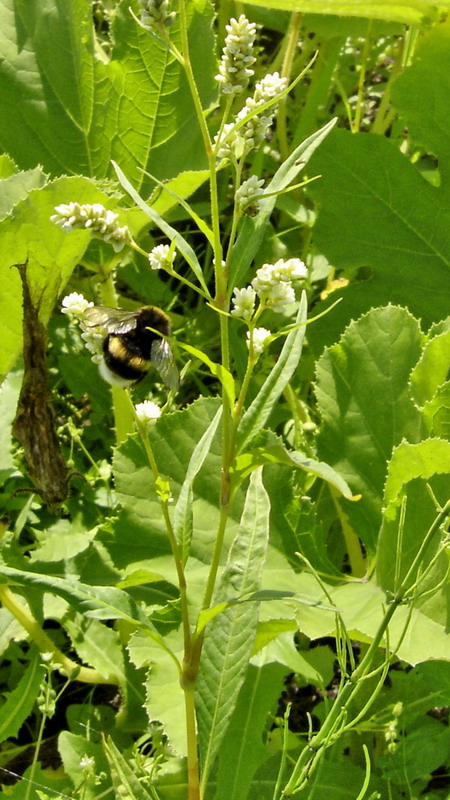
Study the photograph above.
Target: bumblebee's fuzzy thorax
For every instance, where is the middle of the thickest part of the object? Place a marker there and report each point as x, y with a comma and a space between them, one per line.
133, 342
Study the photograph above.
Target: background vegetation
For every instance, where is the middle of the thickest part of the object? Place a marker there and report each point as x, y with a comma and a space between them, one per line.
314, 639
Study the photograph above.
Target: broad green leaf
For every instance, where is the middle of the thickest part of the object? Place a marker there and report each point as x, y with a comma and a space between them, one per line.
125, 781
16, 187
81, 107
398, 243
183, 186
362, 606
436, 412
9, 395
252, 231
410, 12
229, 637
432, 369
409, 555
52, 255
19, 703
260, 409
164, 696
242, 750
419, 93
409, 538
283, 650
61, 541
182, 523
7, 166
97, 645
410, 461
363, 395
139, 532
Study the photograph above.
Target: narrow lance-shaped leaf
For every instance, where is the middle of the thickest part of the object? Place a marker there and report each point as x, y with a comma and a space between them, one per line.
229, 637
259, 411
183, 246
183, 510
95, 601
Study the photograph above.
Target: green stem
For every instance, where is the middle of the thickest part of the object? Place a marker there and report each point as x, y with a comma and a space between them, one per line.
45, 644
352, 543
361, 81
164, 500
319, 88
385, 113
311, 755
194, 792
286, 70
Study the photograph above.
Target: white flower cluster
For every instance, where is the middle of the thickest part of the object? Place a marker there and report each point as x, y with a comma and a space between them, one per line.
147, 412
155, 13
272, 285
159, 257
76, 304
248, 194
236, 143
95, 218
257, 338
234, 69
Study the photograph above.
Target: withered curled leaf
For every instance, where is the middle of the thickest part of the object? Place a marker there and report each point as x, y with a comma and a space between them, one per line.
34, 425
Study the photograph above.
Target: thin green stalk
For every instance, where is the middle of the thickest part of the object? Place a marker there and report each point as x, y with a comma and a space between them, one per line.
361, 81
291, 40
164, 497
186, 61
310, 756
385, 113
355, 555
319, 88
40, 737
192, 755
45, 644
406, 590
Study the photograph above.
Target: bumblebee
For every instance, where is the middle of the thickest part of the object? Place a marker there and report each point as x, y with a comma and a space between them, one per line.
133, 342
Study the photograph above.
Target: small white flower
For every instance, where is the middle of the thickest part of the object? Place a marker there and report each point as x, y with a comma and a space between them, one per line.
279, 296
86, 762
248, 193
159, 257
273, 282
293, 269
75, 303
237, 58
259, 337
235, 144
147, 412
101, 222
244, 303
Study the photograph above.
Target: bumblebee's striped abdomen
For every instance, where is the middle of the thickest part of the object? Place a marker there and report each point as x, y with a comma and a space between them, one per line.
125, 357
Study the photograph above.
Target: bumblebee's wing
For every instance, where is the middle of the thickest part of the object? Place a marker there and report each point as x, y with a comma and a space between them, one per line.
162, 359
113, 319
